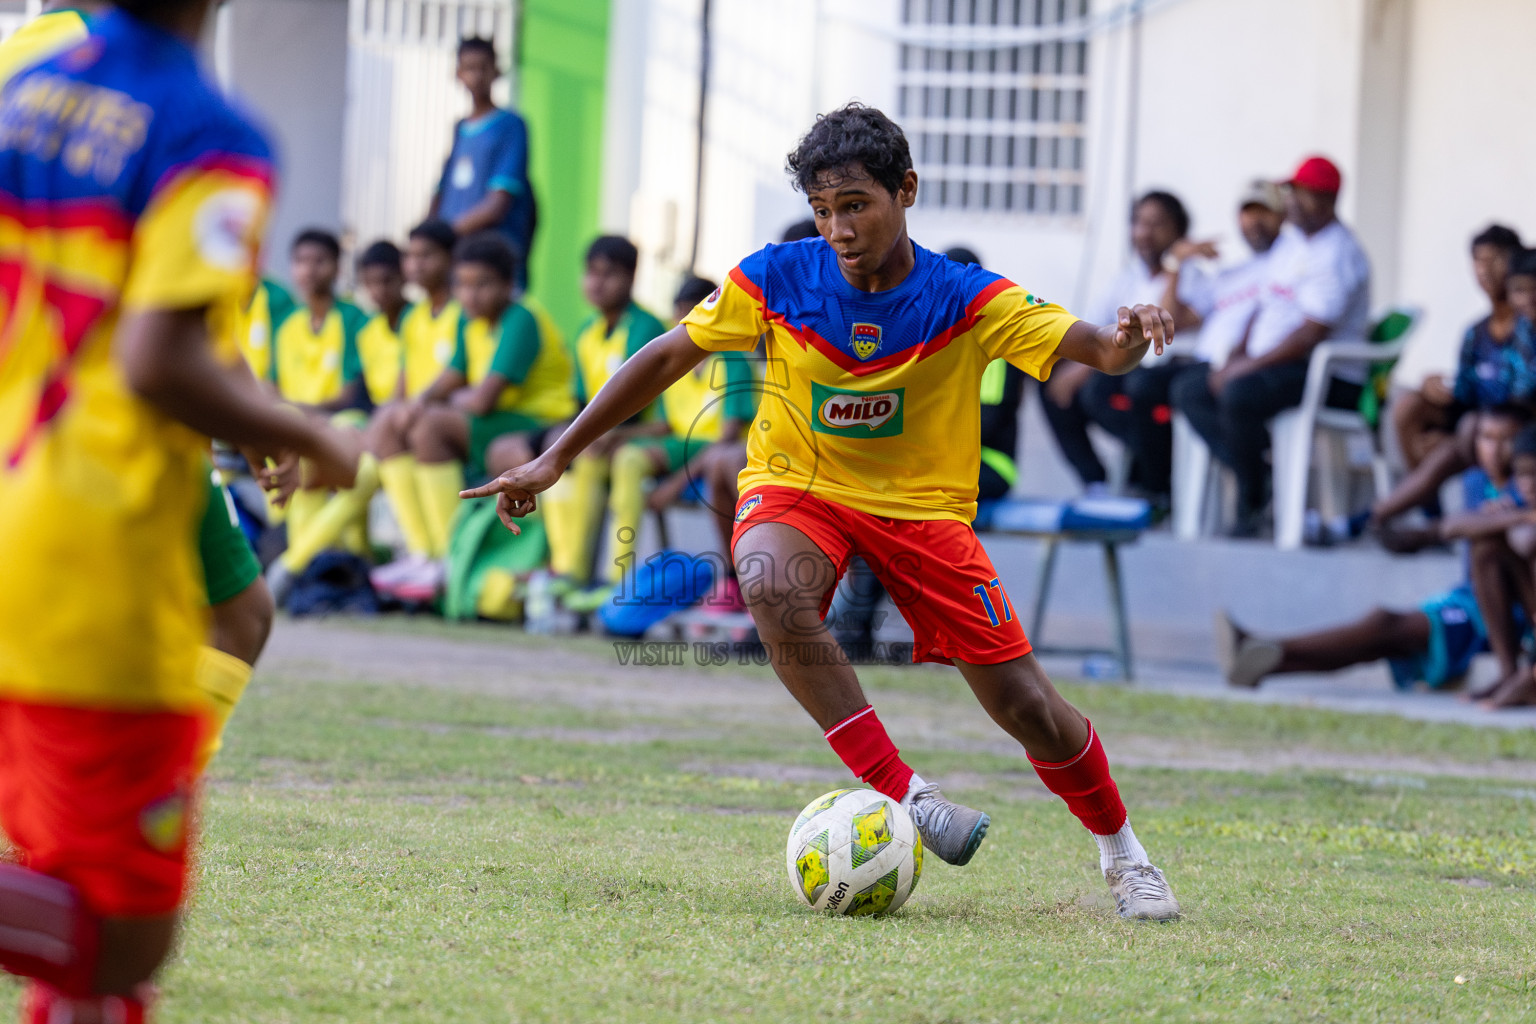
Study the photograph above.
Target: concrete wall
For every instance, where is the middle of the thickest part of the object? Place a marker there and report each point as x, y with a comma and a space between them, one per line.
287, 59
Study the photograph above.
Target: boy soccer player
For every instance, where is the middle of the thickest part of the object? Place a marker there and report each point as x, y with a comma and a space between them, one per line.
379, 347
317, 367
869, 445
429, 333
484, 185
619, 329
1436, 642
507, 377
119, 366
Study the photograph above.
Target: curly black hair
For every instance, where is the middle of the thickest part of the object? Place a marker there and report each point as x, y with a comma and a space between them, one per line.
383, 253
488, 249
1172, 205
840, 143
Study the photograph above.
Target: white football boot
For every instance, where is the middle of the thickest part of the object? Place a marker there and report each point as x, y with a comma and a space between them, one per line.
1141, 893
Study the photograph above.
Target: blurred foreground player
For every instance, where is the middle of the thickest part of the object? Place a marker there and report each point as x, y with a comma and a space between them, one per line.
129, 242
870, 446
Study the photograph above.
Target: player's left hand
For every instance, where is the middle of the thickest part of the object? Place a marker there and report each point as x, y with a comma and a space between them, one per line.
1138, 325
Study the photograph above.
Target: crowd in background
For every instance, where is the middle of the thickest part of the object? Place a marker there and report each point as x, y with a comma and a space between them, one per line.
469, 377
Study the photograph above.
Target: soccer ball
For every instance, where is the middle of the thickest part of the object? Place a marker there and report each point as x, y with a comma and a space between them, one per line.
854, 852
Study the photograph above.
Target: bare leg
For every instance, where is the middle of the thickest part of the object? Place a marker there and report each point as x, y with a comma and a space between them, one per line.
784, 576
1380, 634
508, 452
1443, 461
1020, 698
132, 949
1420, 425
1493, 570
388, 432
241, 624
440, 435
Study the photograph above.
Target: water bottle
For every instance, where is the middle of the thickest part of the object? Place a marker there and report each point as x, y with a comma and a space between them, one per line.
539, 604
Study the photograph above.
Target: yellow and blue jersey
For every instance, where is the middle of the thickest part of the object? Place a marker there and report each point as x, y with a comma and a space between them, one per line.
313, 366
41, 38
428, 342
870, 398
127, 183
533, 361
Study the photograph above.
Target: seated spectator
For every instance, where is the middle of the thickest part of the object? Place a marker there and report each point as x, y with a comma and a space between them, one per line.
269, 306
708, 411
1498, 373
507, 378
316, 367
1133, 407
1234, 291
617, 330
852, 617
429, 334
1318, 288
484, 185
378, 343
1486, 368
1435, 643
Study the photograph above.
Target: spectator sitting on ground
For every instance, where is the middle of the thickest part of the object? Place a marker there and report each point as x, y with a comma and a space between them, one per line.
574, 508
708, 411
852, 613
1435, 643
429, 334
484, 185
1235, 291
316, 367
1319, 288
508, 377
1133, 407
1489, 368
378, 343
1498, 373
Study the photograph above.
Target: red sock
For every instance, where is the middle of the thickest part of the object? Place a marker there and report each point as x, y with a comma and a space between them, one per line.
1085, 784
44, 1004
861, 741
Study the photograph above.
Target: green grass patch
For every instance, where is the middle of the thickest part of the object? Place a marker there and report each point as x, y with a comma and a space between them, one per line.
412, 855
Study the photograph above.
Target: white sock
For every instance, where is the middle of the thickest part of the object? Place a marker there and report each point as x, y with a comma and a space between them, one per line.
916, 784
1121, 849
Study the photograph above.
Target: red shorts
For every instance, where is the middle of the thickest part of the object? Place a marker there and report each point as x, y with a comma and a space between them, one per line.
934, 569
101, 800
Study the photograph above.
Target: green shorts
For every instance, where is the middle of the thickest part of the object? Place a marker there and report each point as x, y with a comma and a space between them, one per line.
679, 451
483, 430
229, 564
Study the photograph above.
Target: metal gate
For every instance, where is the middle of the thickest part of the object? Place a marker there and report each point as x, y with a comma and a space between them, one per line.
403, 101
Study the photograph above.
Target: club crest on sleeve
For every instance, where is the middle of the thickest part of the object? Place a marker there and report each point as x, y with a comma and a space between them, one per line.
710, 300
1034, 300
748, 507
866, 340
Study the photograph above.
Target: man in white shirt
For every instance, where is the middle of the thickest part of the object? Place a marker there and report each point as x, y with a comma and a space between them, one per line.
1318, 288
1133, 407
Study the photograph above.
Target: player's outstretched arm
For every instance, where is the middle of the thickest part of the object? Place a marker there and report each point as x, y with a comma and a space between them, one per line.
643, 377
1119, 347
168, 362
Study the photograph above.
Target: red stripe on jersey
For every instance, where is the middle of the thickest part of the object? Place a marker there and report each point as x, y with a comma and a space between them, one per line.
850, 364
99, 214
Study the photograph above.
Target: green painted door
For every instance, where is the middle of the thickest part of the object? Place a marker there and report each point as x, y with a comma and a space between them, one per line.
563, 50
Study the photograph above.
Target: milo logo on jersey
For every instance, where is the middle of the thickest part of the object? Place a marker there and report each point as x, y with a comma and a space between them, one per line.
857, 413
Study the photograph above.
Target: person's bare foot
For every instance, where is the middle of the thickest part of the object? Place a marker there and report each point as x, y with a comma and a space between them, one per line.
1518, 691
1486, 691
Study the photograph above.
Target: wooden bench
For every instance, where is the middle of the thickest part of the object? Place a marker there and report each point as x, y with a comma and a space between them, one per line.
1107, 522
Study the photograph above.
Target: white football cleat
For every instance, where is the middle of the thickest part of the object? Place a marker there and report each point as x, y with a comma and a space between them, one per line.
1141, 893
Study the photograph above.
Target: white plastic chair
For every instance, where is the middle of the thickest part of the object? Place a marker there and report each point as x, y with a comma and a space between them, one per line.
1295, 432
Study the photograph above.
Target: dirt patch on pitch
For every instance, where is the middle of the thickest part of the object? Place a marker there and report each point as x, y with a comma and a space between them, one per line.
586, 676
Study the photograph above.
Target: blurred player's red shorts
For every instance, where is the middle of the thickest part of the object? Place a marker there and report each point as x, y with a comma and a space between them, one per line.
102, 800
934, 569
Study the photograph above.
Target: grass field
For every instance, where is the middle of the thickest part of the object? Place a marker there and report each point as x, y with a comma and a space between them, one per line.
423, 824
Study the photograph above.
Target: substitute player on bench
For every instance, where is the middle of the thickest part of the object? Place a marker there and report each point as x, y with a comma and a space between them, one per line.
870, 446
131, 202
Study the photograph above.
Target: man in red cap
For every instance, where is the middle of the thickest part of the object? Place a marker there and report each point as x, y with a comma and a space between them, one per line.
1318, 287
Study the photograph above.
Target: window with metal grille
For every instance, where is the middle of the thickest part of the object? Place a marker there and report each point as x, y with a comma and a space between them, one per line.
993, 97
